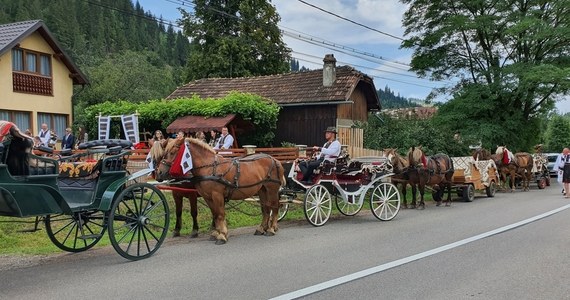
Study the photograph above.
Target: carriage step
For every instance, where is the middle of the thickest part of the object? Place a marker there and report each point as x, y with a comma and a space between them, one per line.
89, 236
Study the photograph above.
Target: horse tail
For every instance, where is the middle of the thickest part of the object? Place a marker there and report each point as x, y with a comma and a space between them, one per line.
282, 177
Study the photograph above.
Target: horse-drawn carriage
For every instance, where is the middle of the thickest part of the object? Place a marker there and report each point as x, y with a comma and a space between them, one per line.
219, 179
83, 195
540, 170
474, 175
349, 182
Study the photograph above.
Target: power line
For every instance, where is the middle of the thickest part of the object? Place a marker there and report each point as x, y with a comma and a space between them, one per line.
351, 21
376, 76
360, 66
301, 36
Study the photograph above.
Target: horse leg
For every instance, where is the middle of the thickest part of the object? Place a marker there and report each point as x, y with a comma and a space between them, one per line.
193, 199
178, 203
404, 201
264, 212
422, 188
273, 211
414, 190
448, 201
219, 232
513, 182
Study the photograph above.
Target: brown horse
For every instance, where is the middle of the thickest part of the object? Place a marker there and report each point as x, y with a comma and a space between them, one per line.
399, 167
156, 153
220, 179
435, 171
518, 164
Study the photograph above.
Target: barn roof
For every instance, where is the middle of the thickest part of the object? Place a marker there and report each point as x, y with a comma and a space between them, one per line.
290, 89
12, 34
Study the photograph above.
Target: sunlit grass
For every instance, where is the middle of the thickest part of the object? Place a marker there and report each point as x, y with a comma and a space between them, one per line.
238, 214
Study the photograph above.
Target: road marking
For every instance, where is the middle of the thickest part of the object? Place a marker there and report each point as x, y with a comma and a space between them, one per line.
354, 276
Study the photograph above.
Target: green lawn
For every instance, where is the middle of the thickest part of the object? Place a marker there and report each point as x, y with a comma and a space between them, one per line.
238, 214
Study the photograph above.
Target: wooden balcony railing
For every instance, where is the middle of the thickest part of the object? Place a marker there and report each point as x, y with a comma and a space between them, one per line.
32, 84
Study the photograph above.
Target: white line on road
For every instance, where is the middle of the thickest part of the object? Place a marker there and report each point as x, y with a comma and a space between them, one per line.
354, 276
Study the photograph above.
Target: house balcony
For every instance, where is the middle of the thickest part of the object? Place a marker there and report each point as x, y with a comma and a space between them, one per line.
32, 84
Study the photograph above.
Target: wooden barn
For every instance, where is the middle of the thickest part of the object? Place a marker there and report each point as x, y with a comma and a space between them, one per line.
310, 101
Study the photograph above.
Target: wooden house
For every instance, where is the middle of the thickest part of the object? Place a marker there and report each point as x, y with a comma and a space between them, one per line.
310, 101
38, 78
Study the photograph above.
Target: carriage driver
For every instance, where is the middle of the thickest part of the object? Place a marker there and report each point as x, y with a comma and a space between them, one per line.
329, 151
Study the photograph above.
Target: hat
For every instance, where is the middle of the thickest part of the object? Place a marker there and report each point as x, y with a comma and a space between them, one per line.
331, 129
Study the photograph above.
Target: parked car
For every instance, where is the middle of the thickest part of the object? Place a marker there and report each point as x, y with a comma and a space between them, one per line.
551, 161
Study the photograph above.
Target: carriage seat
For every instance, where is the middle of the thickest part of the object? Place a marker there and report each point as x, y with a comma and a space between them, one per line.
82, 169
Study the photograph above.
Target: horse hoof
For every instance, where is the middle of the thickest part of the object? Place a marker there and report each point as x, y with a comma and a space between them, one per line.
421, 207
194, 235
176, 233
220, 242
412, 206
269, 233
212, 238
404, 206
438, 203
258, 232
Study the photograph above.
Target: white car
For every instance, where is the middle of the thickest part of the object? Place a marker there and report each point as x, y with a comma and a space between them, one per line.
551, 161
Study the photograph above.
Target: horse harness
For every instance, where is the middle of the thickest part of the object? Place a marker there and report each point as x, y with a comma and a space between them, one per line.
234, 186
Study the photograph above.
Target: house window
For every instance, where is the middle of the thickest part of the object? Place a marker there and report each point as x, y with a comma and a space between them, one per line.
32, 72
20, 118
55, 122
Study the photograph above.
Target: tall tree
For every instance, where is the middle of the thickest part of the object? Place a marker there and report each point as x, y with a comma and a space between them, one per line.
557, 134
511, 58
234, 38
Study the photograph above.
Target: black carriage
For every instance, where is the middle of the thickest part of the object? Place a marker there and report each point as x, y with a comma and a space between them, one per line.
82, 195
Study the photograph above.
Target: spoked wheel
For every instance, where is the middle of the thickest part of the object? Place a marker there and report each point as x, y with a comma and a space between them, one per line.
385, 201
318, 205
283, 208
350, 207
77, 232
138, 221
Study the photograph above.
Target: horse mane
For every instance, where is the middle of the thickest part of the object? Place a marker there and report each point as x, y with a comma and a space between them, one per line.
500, 149
201, 144
415, 155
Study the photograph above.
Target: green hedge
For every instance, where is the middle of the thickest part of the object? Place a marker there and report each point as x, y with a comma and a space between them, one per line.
158, 114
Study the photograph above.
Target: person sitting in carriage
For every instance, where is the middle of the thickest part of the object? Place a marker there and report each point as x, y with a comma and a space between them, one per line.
329, 152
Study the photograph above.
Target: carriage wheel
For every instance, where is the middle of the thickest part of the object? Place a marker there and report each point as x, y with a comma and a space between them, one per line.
491, 189
541, 182
318, 205
283, 208
350, 207
138, 221
468, 193
77, 232
385, 201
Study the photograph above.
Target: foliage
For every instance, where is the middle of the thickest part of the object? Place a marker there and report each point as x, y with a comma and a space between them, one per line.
158, 114
234, 39
383, 131
511, 58
557, 134
127, 75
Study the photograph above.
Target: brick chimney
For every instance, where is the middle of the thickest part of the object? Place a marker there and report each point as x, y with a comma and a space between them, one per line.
329, 70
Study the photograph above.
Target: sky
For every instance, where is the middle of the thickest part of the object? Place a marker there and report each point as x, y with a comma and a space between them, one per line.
370, 50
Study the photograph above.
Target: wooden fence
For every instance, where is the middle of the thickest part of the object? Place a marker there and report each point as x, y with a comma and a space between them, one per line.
137, 160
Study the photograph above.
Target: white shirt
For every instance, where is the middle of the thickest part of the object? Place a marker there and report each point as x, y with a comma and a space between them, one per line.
331, 152
225, 142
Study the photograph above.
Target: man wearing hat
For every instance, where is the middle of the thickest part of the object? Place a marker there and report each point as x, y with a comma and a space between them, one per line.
329, 151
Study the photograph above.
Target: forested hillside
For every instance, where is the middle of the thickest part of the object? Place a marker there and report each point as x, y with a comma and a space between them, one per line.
390, 100
97, 28
125, 52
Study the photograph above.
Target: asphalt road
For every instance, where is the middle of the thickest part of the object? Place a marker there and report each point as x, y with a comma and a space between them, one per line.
348, 258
